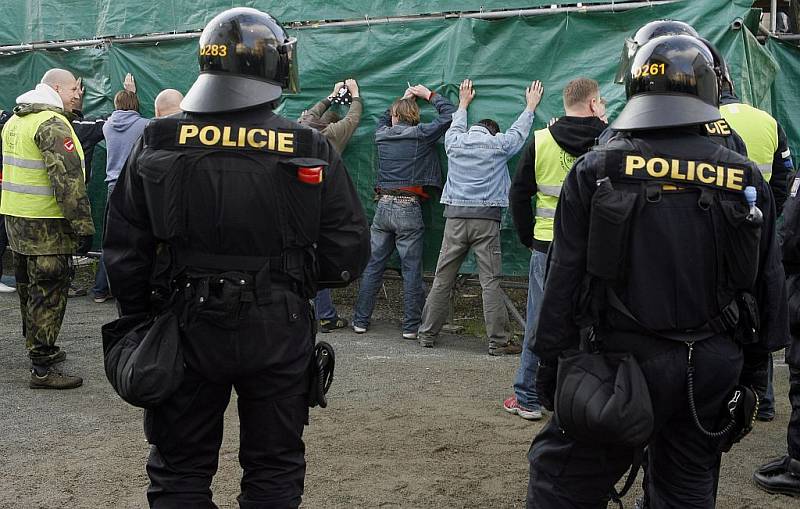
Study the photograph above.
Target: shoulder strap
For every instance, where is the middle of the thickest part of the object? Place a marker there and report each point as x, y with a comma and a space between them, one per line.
726, 320
636, 464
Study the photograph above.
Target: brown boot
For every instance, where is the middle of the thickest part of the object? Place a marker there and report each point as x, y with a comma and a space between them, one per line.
54, 379
509, 348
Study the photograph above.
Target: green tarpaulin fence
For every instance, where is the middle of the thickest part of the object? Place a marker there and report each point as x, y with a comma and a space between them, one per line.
55, 20
501, 56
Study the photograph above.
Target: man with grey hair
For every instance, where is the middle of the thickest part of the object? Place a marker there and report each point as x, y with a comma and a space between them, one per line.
47, 215
168, 102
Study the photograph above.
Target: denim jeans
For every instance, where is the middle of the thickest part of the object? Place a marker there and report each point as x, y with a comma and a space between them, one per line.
524, 387
101, 278
397, 223
323, 305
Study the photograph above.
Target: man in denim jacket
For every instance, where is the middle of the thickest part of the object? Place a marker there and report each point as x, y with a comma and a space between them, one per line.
474, 196
407, 162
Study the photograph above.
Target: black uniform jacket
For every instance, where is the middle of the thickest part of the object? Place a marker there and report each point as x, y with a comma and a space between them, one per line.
671, 280
790, 245
223, 225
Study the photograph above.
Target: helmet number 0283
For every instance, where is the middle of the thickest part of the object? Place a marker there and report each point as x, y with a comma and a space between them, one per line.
214, 50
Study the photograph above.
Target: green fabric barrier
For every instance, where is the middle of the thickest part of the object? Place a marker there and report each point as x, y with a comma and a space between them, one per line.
785, 99
502, 57
56, 20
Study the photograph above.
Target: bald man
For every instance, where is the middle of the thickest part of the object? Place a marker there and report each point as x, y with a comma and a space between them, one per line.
168, 102
47, 215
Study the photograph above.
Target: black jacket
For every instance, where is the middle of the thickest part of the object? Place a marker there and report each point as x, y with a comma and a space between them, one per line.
575, 135
224, 215
671, 266
89, 132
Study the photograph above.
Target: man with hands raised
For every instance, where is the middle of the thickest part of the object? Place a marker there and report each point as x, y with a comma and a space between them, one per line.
474, 196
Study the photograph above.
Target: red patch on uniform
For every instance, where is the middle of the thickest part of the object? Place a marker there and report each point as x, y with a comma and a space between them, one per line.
69, 145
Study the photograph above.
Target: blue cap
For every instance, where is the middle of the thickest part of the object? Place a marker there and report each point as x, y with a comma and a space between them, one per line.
750, 194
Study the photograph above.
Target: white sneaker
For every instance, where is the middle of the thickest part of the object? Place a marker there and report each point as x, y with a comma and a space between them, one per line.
7, 289
359, 330
410, 335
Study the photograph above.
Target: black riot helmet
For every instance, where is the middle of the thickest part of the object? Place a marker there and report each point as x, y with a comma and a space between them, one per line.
720, 67
671, 83
645, 34
246, 59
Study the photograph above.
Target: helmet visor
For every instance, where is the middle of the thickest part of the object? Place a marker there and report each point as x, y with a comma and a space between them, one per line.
625, 59
292, 83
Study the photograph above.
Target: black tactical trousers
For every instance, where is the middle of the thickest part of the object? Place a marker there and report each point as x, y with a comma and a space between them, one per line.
682, 463
793, 433
265, 359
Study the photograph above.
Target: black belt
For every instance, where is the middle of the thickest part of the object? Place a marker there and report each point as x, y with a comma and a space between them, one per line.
270, 271
186, 258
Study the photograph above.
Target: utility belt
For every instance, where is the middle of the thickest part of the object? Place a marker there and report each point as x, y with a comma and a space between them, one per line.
220, 288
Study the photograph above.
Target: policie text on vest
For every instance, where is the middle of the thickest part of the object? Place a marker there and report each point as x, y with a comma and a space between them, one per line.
688, 171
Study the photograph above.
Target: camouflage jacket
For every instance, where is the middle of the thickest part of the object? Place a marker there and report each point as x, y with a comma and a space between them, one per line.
34, 236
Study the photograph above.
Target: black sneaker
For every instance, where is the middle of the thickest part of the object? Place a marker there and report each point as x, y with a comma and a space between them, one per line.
74, 291
54, 379
334, 323
99, 298
427, 340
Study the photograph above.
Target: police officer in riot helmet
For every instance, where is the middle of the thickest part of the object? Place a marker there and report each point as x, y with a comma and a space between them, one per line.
719, 130
664, 248
233, 216
645, 34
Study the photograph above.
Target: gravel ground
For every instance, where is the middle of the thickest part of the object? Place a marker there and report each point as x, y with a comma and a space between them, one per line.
406, 426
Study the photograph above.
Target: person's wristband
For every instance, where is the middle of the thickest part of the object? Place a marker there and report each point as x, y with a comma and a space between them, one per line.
430, 96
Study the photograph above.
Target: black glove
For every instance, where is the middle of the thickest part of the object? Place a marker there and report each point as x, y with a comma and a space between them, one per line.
84, 244
546, 383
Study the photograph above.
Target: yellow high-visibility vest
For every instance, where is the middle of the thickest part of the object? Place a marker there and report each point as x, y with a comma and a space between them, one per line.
26, 186
551, 167
758, 130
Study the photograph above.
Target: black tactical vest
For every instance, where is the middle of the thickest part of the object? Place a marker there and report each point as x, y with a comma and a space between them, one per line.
234, 197
669, 233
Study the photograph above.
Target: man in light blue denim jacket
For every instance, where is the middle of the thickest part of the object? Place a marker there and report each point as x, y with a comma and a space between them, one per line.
474, 196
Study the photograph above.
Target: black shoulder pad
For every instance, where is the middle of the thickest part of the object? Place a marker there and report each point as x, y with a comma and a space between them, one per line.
159, 133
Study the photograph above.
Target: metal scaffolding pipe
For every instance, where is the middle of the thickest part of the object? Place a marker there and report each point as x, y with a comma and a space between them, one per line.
543, 11
773, 17
95, 42
611, 7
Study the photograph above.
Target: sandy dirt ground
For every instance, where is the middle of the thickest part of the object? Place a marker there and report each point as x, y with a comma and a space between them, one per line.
406, 427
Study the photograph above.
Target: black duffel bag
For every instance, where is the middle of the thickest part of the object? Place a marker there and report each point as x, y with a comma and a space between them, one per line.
143, 357
602, 398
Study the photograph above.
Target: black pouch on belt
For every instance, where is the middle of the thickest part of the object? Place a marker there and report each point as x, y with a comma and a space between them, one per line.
609, 228
323, 362
741, 240
746, 331
221, 299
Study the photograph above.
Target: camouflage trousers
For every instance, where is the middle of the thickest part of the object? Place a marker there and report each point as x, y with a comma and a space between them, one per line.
42, 283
